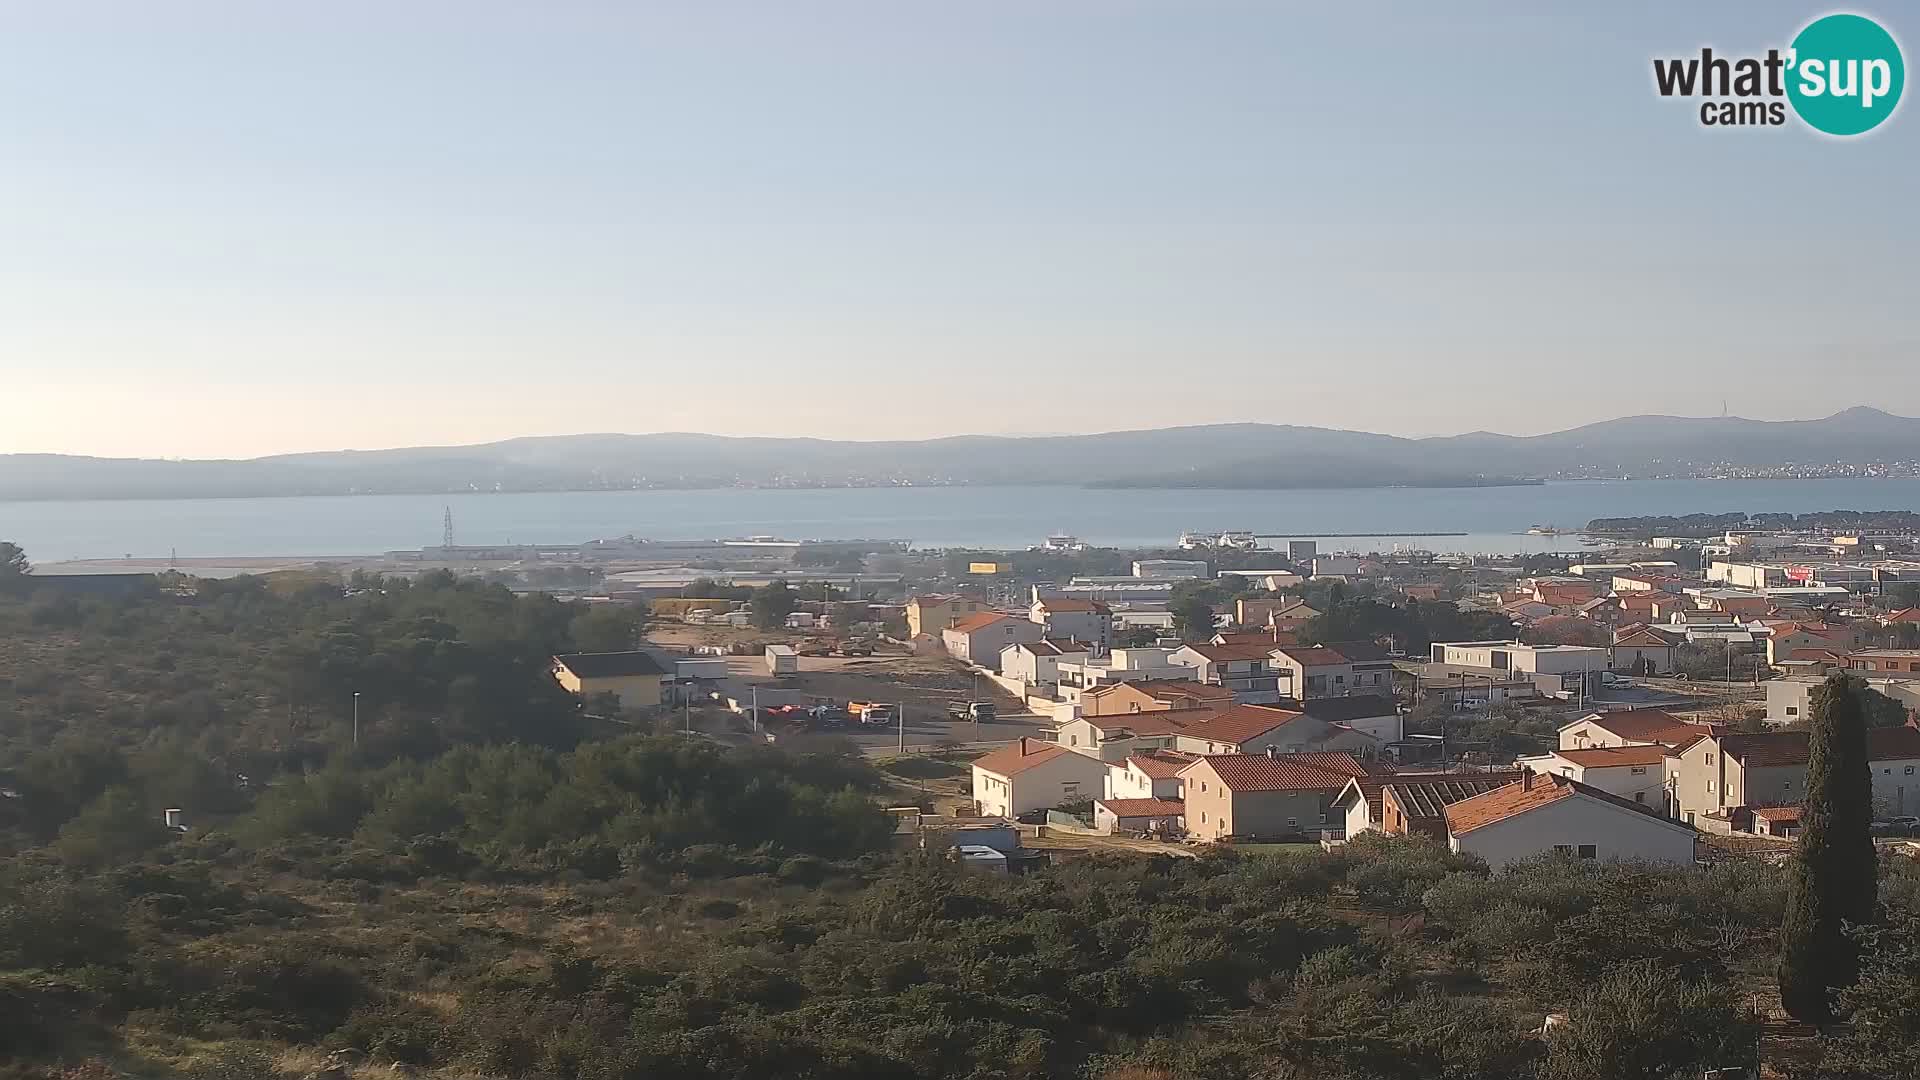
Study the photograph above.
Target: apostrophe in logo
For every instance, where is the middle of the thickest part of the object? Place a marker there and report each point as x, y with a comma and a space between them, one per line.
1842, 75
1845, 74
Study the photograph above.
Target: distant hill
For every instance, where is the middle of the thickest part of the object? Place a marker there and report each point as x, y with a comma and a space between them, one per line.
1270, 456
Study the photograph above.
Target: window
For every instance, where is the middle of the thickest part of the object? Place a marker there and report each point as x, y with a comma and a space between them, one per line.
1073, 740
1566, 770
1640, 797
1709, 759
1589, 851
1637, 770
1709, 787
1793, 710
1203, 817
1909, 770
1293, 823
1203, 785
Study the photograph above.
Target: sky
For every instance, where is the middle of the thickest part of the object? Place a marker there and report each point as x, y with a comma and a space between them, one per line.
232, 229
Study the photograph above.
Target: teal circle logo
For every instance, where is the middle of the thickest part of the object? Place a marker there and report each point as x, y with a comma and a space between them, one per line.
1845, 74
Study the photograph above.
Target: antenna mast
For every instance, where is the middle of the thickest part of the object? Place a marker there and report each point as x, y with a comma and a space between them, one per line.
446, 528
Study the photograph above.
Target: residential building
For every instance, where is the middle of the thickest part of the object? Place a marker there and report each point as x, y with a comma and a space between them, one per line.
1885, 663
1247, 670
1784, 638
1641, 650
1037, 663
1155, 816
1147, 774
1151, 695
1635, 773
1317, 671
1404, 803
635, 678
935, 612
1716, 775
1374, 715
1548, 813
1033, 775
978, 639
1089, 621
1112, 738
1260, 795
1253, 729
1121, 665
1630, 727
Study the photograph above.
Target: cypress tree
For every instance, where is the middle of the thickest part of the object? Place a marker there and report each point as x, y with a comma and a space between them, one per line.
1834, 872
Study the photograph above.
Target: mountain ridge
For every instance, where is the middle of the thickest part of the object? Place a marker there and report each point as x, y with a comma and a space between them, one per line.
1243, 455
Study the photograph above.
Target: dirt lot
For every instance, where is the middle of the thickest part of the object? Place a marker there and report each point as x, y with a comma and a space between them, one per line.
923, 687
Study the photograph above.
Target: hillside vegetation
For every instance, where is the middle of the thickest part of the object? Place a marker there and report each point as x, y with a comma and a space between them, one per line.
480, 888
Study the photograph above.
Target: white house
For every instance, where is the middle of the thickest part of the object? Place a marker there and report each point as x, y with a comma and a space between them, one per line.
1033, 775
1635, 773
1090, 621
979, 639
1629, 727
1037, 663
1139, 815
1147, 774
1557, 814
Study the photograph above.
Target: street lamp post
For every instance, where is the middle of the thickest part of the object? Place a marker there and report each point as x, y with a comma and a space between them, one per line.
356, 718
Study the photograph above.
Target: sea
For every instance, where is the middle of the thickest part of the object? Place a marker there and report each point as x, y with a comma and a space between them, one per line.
1484, 520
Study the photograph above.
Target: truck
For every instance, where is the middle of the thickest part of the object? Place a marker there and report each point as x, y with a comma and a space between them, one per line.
782, 660
879, 713
976, 711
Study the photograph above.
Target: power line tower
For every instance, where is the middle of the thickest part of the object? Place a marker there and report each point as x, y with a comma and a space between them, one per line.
446, 528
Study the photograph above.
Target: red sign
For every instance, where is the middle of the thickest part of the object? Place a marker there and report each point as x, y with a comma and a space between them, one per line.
1799, 573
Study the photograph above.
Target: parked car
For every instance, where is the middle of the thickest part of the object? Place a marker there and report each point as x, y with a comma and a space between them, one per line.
880, 715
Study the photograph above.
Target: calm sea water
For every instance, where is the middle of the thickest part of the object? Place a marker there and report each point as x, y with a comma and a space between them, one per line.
1494, 519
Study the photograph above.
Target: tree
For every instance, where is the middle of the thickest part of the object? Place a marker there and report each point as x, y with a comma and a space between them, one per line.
1833, 876
1906, 594
13, 564
772, 604
1192, 617
1645, 1023
606, 628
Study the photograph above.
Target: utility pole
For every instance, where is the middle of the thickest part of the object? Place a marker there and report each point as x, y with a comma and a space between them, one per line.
756, 708
356, 718
900, 719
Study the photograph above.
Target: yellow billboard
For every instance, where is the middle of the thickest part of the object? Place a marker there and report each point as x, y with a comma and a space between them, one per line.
985, 567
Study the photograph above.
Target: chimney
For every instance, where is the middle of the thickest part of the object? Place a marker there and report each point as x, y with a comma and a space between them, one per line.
1273, 752
1024, 749
1526, 780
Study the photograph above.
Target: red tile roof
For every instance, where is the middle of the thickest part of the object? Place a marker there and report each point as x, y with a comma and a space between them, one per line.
1154, 722
1017, 757
1603, 757
1639, 636
1160, 764
1770, 748
1646, 725
1531, 793
979, 621
1777, 813
1312, 656
1127, 808
1238, 723
1282, 772
1905, 615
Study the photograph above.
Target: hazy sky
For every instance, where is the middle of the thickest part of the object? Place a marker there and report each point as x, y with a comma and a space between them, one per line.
234, 229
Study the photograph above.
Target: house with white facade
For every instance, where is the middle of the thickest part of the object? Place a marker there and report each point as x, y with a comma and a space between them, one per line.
1544, 814
1630, 727
1036, 664
979, 639
1148, 774
1247, 670
1033, 775
1635, 773
1089, 621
